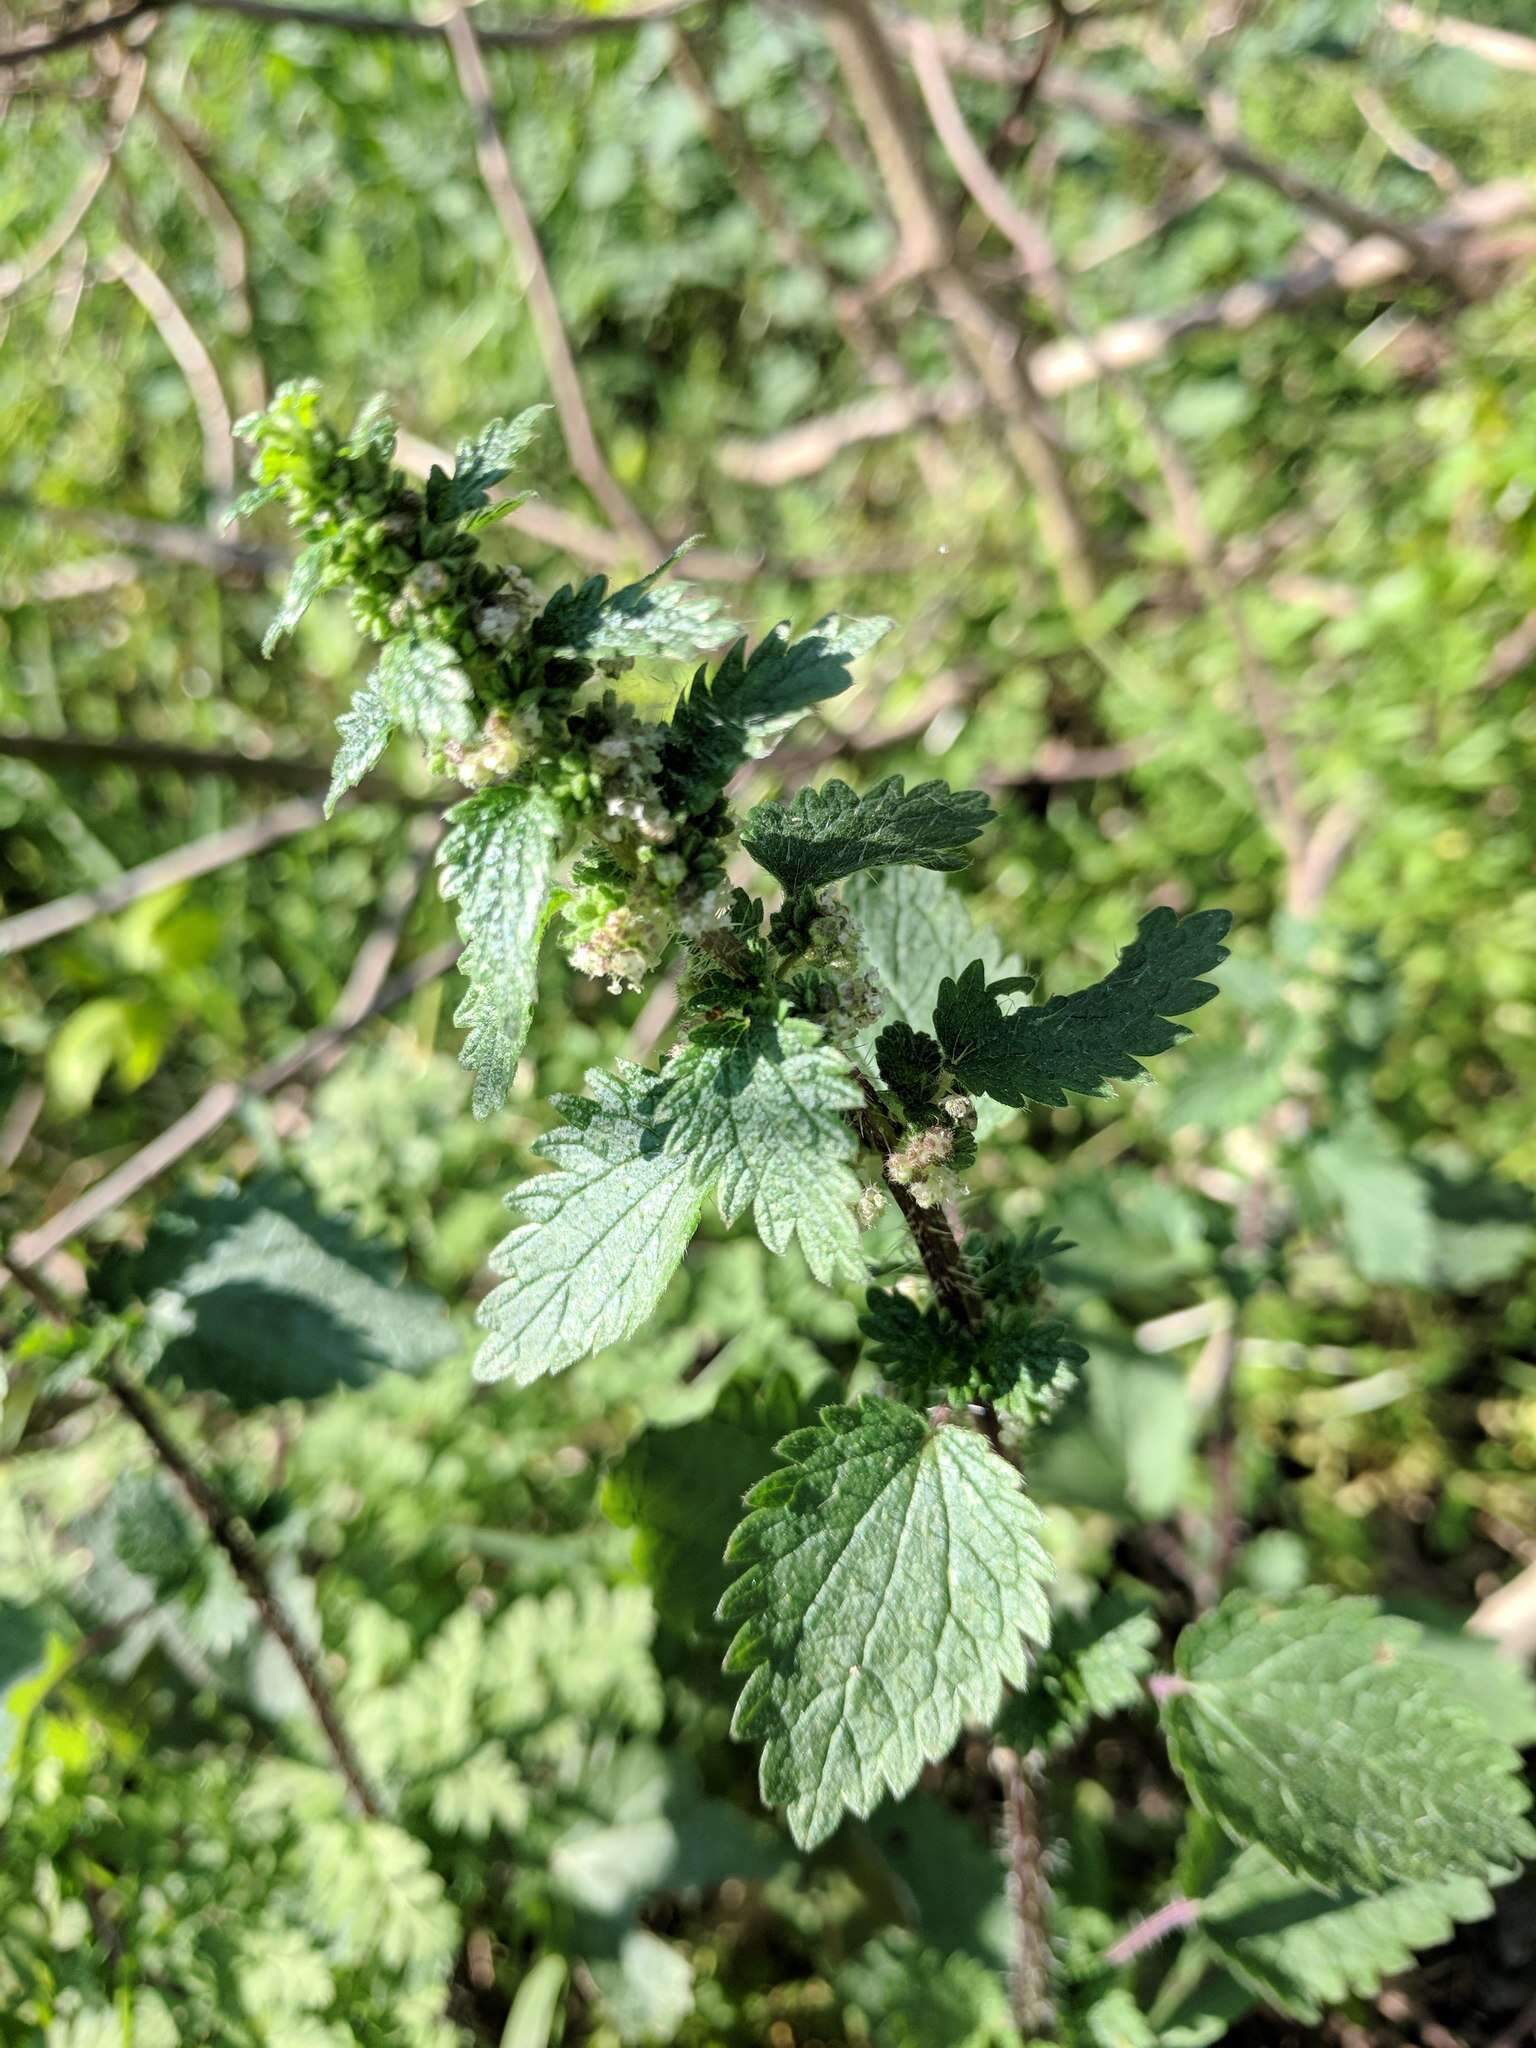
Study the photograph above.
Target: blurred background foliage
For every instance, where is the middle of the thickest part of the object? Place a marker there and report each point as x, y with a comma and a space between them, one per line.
1304, 1261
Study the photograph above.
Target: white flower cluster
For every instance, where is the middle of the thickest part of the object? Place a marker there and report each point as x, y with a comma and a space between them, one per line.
507, 615
506, 740
624, 947
837, 949
627, 763
869, 1205
920, 1164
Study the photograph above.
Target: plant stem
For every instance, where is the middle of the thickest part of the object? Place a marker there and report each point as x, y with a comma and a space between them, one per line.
937, 1245
1171, 1918
229, 1534
1029, 1891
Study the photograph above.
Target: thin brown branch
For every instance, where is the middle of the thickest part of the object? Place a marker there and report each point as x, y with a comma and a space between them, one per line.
192, 547
183, 864
1400, 139
190, 355
1500, 46
189, 152
537, 285
1145, 223
861, 329
550, 32
1182, 136
231, 1537
1067, 364
311, 1057
71, 216
77, 750
1514, 653
928, 250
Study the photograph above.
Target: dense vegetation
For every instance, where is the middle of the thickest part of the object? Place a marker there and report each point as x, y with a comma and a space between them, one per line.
349, 1697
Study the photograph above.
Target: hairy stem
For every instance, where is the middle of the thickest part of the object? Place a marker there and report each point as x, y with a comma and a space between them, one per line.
1029, 1891
1171, 1918
937, 1245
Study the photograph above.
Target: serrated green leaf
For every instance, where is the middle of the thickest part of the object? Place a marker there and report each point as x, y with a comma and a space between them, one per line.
761, 1119
892, 1576
373, 431
366, 729
1082, 1041
1303, 1950
257, 1296
480, 464
1383, 1202
497, 863
725, 719
756, 1119
645, 618
423, 686
306, 580
1314, 1727
603, 1236
1095, 1667
917, 930
831, 832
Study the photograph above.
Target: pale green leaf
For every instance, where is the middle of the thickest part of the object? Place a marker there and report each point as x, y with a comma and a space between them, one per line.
645, 618
366, 729
892, 1575
830, 832
482, 1793
1303, 1950
603, 1234
480, 464
372, 1892
423, 686
496, 865
306, 580
917, 930
1315, 1727
756, 1118
761, 1120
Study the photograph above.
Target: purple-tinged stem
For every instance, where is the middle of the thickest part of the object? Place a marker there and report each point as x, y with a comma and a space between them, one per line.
1170, 1919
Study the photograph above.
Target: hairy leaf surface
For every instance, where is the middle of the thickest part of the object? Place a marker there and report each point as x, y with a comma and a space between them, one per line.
1303, 1951
497, 863
306, 580
725, 719
761, 1120
1095, 1667
1316, 1728
603, 1236
648, 617
831, 832
1085, 1040
892, 1575
366, 728
424, 688
480, 464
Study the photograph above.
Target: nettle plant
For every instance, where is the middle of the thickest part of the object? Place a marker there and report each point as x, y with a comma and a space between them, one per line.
844, 1040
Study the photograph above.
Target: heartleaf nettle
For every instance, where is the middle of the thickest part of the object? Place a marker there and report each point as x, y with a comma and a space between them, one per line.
845, 1038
